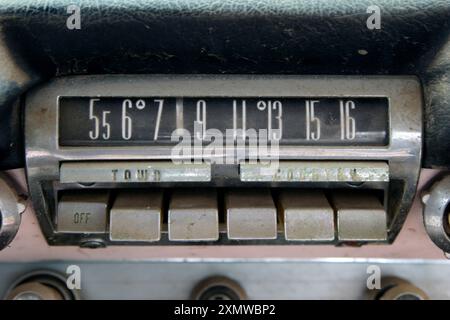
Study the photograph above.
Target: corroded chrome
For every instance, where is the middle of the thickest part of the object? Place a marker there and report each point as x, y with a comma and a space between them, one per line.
316, 171
435, 213
11, 207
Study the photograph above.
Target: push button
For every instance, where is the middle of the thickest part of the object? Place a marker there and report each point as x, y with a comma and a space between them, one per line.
83, 212
136, 216
251, 214
360, 217
307, 215
193, 216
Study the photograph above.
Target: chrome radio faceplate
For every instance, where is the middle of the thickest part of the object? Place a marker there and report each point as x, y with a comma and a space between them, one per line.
342, 163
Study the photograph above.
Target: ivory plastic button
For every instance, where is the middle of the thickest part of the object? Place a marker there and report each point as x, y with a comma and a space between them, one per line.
307, 215
193, 216
136, 216
360, 217
83, 212
251, 214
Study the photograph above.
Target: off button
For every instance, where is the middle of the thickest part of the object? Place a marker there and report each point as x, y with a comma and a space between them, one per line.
83, 212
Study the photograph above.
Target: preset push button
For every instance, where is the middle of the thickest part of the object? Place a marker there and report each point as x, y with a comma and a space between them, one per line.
83, 212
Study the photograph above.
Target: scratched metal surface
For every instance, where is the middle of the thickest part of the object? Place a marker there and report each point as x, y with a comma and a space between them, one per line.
261, 279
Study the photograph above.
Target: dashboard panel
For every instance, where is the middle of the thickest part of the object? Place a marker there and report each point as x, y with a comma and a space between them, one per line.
224, 151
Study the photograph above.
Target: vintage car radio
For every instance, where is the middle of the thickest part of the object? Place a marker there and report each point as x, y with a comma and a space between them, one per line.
215, 159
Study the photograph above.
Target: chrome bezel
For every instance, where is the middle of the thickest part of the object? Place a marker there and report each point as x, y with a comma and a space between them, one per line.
402, 153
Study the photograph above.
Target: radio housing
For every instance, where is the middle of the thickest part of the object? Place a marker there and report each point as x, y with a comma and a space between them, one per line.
53, 169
